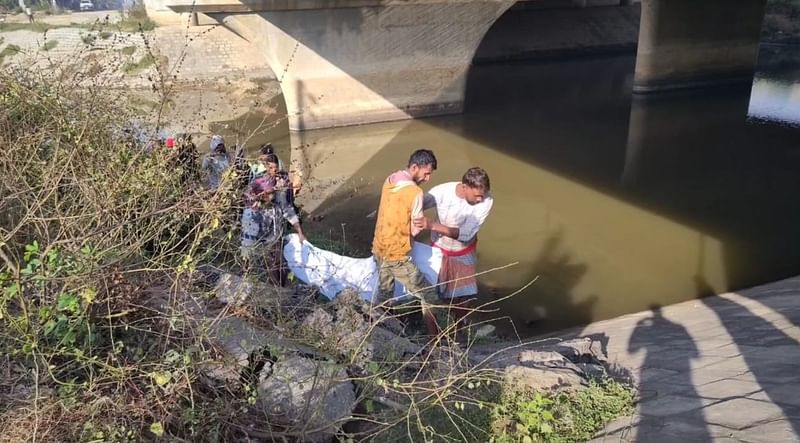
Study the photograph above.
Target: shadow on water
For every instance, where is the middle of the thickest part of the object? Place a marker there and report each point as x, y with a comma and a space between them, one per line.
674, 402
626, 204
770, 354
550, 300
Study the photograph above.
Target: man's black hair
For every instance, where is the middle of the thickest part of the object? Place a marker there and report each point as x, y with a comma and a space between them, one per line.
422, 157
476, 178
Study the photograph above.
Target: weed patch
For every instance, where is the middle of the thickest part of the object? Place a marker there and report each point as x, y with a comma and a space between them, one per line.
128, 50
143, 63
9, 51
560, 417
49, 45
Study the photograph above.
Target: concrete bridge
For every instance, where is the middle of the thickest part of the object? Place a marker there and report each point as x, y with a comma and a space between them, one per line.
345, 62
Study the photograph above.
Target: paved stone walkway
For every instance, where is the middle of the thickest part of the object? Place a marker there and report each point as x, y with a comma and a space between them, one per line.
723, 368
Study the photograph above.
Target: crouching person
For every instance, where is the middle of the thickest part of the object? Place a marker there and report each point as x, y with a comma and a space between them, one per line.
264, 218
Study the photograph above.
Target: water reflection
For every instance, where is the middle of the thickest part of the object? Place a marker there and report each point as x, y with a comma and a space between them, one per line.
617, 204
775, 101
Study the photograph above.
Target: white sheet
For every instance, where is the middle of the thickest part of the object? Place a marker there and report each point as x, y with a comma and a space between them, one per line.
332, 273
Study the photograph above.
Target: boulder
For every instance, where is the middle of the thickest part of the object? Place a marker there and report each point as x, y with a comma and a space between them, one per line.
523, 378
308, 397
233, 289
582, 350
544, 365
348, 329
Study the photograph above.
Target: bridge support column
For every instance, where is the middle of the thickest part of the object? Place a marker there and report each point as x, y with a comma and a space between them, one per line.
346, 66
688, 43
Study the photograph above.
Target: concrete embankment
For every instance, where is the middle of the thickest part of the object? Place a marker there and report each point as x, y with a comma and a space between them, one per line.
723, 368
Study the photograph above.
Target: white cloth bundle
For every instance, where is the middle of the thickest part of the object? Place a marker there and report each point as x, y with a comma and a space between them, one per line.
332, 273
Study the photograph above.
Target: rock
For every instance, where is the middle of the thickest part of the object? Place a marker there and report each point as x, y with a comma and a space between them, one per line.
307, 396
546, 359
484, 331
545, 365
237, 339
593, 370
582, 350
349, 331
541, 379
233, 289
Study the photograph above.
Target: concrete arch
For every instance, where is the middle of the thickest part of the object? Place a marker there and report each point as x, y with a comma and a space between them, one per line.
379, 62
363, 61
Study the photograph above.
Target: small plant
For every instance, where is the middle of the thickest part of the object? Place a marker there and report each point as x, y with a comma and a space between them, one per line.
105, 35
128, 50
49, 45
9, 51
88, 39
560, 417
136, 20
145, 62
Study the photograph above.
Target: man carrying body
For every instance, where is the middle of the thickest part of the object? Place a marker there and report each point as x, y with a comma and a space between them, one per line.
461, 207
400, 207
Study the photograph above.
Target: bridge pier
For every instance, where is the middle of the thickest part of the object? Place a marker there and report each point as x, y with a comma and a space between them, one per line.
347, 66
690, 43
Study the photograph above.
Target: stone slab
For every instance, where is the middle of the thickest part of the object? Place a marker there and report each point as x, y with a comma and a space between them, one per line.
741, 413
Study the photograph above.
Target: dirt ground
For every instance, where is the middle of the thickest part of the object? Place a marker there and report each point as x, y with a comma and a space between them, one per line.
65, 18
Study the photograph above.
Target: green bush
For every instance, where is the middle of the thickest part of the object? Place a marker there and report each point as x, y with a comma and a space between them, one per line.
88, 219
561, 417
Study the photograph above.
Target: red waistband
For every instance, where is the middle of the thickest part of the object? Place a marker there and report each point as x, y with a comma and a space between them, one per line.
460, 253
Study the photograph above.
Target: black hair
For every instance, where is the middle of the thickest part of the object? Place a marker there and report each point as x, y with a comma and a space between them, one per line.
476, 177
422, 157
271, 158
267, 149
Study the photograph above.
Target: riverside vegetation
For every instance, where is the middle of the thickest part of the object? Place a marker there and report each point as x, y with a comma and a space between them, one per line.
110, 319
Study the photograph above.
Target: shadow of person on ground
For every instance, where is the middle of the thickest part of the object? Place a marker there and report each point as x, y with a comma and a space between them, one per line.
668, 411
772, 357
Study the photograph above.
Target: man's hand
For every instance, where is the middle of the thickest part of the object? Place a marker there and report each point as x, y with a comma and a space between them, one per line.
300, 234
423, 223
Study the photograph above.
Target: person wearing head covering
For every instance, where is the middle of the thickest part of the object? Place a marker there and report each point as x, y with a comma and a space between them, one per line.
216, 162
263, 219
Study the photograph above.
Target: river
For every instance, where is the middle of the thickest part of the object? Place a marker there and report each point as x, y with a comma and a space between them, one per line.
611, 203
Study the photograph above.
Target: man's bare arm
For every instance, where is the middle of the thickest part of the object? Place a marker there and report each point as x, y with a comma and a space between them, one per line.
424, 223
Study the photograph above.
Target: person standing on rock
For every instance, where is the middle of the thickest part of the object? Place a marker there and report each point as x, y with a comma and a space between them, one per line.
461, 209
400, 206
216, 162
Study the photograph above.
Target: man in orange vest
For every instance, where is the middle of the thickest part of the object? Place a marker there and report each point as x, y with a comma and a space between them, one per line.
400, 207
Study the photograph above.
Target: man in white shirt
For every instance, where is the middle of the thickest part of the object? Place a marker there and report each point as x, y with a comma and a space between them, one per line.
461, 208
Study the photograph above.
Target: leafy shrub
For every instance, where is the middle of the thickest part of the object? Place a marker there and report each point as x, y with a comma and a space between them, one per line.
561, 417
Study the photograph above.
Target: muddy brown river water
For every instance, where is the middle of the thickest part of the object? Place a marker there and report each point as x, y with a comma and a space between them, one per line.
614, 202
